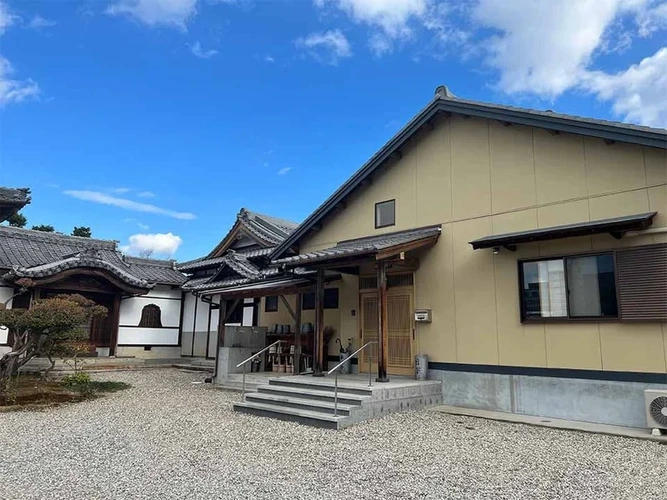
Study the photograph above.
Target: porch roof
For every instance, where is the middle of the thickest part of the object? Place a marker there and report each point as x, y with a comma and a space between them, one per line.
279, 285
379, 246
615, 226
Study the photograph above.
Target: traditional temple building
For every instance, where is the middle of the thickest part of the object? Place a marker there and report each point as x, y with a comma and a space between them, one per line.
239, 260
142, 296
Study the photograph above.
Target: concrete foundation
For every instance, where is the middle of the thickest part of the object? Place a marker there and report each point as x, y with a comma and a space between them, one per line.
154, 352
597, 401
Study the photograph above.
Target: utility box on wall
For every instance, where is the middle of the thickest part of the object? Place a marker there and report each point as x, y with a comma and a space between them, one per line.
423, 316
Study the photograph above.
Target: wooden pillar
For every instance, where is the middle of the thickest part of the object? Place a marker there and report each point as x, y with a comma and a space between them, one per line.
115, 320
383, 351
318, 355
297, 336
296, 316
222, 318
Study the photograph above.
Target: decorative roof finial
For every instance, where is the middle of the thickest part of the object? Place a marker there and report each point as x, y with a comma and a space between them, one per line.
443, 92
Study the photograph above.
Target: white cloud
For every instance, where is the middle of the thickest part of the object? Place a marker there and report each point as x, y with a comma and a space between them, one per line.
164, 244
11, 90
269, 59
6, 17
548, 48
543, 47
638, 93
121, 190
105, 199
326, 47
284, 170
380, 44
391, 16
38, 22
175, 13
197, 51
146, 194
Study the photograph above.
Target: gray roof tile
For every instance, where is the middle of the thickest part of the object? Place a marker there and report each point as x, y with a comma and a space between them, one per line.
362, 246
25, 249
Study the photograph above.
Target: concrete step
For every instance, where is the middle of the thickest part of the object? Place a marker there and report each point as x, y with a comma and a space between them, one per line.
317, 395
306, 417
300, 403
321, 384
194, 368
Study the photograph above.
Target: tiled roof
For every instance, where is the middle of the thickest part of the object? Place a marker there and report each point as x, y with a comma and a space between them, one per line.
87, 259
204, 263
201, 284
269, 229
11, 195
40, 252
12, 200
155, 270
362, 246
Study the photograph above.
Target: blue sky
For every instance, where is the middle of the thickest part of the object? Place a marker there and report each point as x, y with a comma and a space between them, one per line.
155, 121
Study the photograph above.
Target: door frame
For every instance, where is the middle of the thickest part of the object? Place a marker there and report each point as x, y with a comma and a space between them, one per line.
391, 369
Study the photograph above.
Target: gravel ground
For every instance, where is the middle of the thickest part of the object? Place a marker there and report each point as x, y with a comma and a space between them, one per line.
169, 437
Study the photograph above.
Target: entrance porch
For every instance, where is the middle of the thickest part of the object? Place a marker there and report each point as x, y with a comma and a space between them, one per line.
314, 400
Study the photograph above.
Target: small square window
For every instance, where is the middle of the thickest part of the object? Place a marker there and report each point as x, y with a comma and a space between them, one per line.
308, 301
330, 300
271, 303
385, 214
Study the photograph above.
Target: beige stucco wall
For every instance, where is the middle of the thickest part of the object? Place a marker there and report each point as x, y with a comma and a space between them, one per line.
478, 177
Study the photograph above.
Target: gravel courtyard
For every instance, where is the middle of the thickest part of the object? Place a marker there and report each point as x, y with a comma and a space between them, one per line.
169, 437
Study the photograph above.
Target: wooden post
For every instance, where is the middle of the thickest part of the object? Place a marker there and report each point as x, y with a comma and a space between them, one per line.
318, 355
222, 317
383, 351
114, 325
297, 336
296, 316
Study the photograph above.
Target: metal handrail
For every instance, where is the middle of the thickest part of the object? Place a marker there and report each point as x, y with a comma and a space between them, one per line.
243, 363
349, 358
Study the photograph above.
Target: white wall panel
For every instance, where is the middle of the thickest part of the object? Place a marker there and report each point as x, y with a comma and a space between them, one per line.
130, 310
147, 336
5, 294
188, 312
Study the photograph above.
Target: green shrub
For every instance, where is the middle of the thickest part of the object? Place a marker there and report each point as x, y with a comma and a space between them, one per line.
76, 380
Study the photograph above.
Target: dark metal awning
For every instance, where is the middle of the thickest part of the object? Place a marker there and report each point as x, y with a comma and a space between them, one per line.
282, 285
616, 226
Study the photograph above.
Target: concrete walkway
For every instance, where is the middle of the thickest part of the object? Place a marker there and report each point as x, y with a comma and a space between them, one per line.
554, 423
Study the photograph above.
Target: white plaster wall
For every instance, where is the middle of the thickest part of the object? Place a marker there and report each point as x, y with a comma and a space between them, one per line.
186, 329
5, 293
130, 310
248, 313
148, 336
168, 300
201, 329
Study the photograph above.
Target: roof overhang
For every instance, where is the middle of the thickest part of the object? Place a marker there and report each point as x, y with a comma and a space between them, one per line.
284, 285
81, 265
372, 248
616, 227
12, 200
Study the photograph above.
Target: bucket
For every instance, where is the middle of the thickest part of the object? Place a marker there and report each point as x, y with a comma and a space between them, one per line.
346, 367
421, 367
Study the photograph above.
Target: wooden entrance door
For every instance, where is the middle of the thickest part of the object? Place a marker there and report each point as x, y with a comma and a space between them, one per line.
399, 329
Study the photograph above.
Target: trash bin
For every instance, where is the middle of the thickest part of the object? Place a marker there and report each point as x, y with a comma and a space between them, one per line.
421, 367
